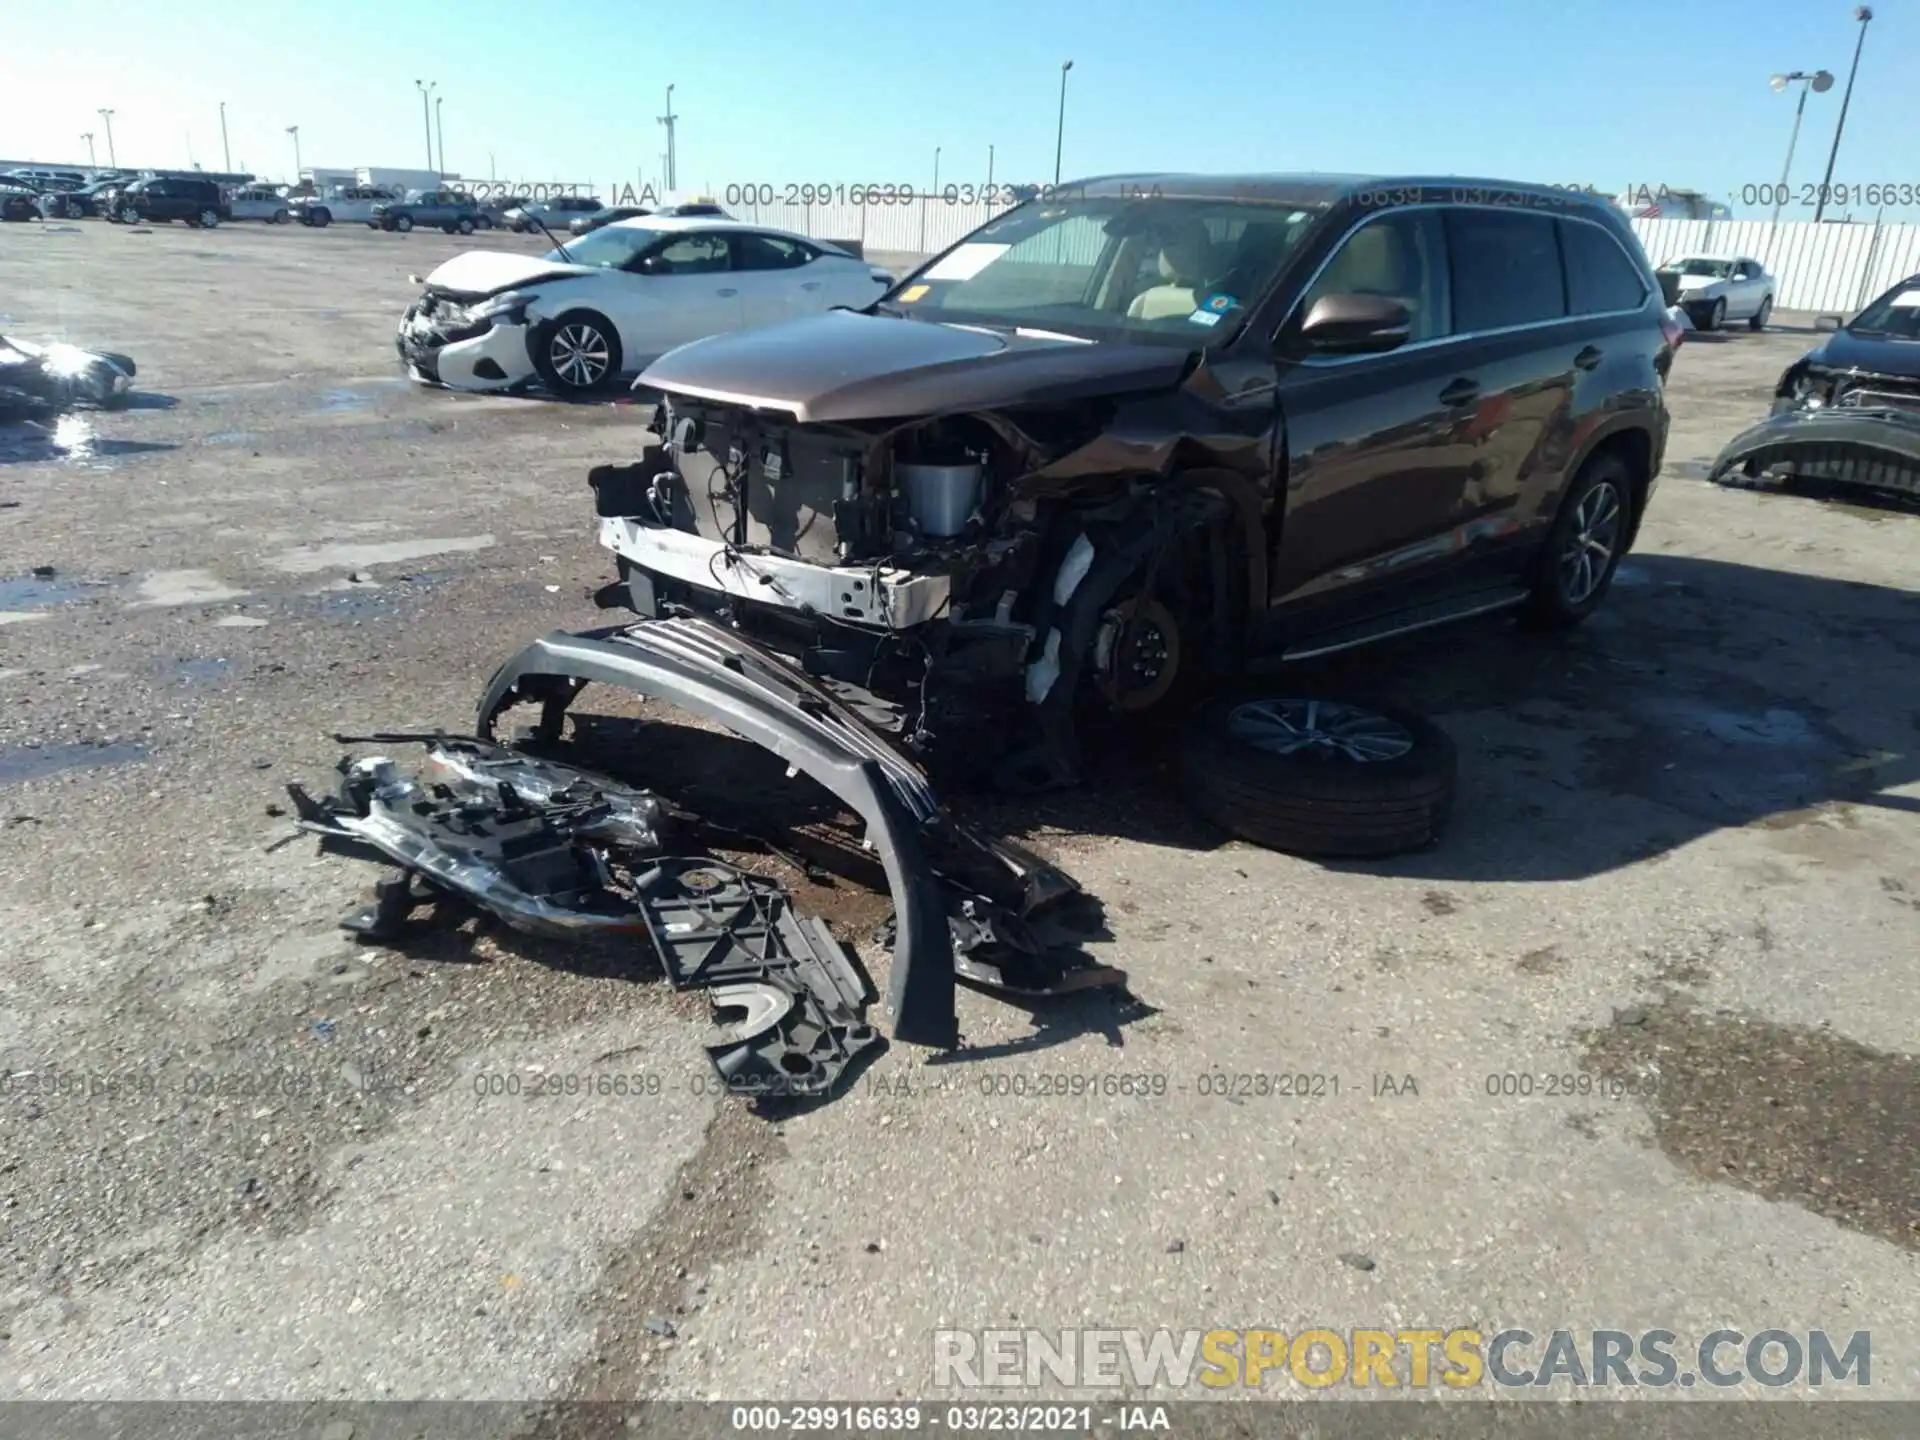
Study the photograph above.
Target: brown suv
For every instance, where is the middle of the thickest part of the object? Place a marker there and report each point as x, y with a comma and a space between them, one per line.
1137, 430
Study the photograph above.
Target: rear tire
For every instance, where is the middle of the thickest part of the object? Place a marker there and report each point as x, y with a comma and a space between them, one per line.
209, 219
1595, 522
1760, 316
282, 217
320, 218
1319, 777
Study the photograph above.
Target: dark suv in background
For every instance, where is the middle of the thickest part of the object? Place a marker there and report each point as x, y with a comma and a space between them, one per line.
198, 202
1134, 432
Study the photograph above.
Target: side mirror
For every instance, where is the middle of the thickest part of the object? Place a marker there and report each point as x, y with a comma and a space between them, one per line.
653, 265
1828, 323
1354, 325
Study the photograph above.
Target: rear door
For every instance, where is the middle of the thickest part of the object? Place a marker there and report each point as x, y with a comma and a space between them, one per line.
1510, 298
778, 277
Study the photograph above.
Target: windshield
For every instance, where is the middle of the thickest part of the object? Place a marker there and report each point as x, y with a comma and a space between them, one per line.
610, 248
1895, 314
1182, 271
1711, 269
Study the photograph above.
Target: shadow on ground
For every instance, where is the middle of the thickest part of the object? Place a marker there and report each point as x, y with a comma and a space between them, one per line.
1704, 696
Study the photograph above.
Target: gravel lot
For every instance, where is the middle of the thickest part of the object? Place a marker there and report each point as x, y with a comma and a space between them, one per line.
1685, 848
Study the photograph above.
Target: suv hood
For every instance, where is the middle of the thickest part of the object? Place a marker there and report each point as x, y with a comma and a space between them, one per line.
1883, 355
845, 366
488, 272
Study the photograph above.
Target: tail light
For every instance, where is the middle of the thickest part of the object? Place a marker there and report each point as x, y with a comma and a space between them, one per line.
1673, 330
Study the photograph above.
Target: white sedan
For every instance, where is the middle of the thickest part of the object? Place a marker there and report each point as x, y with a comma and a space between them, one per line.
1713, 289
608, 304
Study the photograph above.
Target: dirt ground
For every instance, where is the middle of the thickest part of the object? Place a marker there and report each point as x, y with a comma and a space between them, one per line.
241, 1157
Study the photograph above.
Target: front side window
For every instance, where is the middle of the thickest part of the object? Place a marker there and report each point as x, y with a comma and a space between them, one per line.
608, 248
1705, 269
1400, 256
688, 255
1178, 271
1505, 268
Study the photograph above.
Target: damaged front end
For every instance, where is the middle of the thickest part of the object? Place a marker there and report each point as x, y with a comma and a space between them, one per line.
555, 850
1871, 446
37, 381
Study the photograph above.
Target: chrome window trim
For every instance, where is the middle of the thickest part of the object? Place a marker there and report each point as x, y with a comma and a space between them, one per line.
1322, 362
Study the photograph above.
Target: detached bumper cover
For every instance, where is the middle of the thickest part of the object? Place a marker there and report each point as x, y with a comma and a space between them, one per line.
963, 904
1878, 449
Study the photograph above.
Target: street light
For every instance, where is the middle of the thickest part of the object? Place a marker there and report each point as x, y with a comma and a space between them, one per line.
1863, 14
668, 159
989, 167
1060, 131
426, 89
87, 135
113, 162
439, 133
225, 153
1818, 80
294, 131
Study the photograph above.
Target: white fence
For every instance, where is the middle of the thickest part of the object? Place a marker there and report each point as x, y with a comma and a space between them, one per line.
1830, 268
1825, 267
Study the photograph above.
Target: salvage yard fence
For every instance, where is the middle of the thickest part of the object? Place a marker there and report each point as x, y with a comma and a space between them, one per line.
1831, 267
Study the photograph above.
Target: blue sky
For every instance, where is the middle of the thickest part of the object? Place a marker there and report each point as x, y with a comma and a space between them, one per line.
1615, 93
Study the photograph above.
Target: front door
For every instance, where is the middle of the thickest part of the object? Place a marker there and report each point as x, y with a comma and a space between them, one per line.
1378, 447
685, 289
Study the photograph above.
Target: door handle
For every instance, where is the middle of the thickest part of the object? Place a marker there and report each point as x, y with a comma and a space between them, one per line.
726, 292
1591, 356
809, 284
1463, 391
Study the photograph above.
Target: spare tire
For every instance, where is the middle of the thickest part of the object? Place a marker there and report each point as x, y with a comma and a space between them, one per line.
1319, 777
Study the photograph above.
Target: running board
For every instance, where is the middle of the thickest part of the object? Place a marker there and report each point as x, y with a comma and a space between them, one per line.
1405, 622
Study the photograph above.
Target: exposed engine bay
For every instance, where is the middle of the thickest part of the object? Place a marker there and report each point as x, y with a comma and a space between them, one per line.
927, 571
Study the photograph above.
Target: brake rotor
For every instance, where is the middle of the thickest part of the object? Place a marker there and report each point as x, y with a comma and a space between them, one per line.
1136, 653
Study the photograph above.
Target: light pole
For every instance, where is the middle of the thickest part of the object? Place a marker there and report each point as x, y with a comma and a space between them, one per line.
1060, 131
989, 167
667, 120
112, 162
87, 135
440, 134
1863, 14
1818, 80
426, 89
294, 131
226, 154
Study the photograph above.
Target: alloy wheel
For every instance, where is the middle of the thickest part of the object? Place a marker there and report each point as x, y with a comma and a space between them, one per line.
579, 355
1589, 551
1323, 727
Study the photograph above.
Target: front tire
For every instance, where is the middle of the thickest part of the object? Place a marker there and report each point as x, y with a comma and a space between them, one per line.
464, 225
1715, 317
402, 223
1760, 316
1583, 549
320, 218
578, 353
282, 217
1319, 777
209, 219
129, 215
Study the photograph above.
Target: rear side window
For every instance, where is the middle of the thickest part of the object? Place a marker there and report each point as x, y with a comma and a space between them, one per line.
1506, 269
1600, 277
769, 252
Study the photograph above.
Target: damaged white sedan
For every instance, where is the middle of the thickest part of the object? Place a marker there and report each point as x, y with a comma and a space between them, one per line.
605, 305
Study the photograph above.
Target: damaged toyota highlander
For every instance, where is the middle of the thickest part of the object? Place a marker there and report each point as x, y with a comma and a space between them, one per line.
1127, 436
